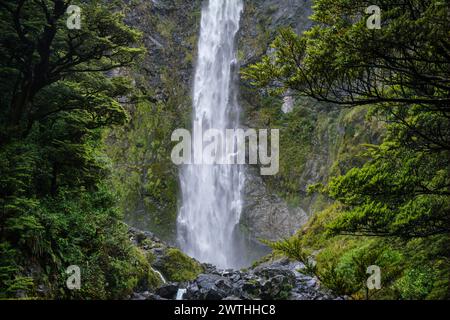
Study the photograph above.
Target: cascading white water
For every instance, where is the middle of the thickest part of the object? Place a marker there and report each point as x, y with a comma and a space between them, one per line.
211, 194
161, 277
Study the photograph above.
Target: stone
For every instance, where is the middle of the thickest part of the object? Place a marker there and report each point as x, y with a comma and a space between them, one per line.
224, 284
265, 215
154, 297
214, 294
168, 291
311, 283
231, 298
138, 297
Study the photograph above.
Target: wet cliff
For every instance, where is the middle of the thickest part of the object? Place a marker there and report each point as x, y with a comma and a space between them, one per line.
316, 140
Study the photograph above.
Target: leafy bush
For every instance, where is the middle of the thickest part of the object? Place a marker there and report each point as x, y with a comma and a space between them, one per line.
416, 284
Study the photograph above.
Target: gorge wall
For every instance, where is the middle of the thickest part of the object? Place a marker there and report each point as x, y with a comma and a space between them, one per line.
143, 172
316, 139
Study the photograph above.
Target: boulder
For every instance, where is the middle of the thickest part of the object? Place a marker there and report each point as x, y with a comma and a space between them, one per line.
168, 291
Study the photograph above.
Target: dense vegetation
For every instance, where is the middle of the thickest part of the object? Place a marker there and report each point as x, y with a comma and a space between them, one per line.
393, 209
60, 90
86, 120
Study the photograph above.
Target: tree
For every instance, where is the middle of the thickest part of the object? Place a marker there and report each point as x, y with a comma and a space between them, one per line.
59, 89
402, 73
48, 69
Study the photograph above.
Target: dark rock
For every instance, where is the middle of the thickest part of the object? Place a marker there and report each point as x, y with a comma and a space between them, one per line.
235, 277
209, 268
207, 281
278, 287
224, 285
272, 272
138, 297
252, 288
214, 294
154, 297
168, 291
265, 215
21, 294
278, 280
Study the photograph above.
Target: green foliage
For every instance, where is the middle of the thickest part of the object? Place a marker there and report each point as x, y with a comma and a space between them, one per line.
10, 281
413, 269
178, 267
293, 249
416, 284
348, 274
404, 189
70, 66
73, 229
398, 190
338, 54
60, 90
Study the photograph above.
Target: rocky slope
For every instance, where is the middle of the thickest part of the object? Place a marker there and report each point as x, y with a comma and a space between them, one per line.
273, 280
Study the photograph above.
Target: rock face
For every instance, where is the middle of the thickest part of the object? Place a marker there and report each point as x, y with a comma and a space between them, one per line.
266, 215
170, 31
170, 35
262, 19
168, 263
145, 174
168, 291
316, 139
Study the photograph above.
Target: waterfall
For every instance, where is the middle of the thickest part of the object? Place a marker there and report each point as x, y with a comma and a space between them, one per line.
211, 194
164, 281
180, 294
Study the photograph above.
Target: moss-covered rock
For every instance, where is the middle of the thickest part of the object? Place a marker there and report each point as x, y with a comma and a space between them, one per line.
142, 276
178, 267
153, 280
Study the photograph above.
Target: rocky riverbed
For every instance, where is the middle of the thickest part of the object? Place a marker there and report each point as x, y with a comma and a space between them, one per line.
274, 280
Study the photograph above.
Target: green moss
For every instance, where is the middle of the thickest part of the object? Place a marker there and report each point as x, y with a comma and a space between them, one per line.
178, 267
142, 276
153, 280
253, 287
150, 257
166, 28
143, 173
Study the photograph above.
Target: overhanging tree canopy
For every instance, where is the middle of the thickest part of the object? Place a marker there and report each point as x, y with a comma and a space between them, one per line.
402, 72
48, 69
